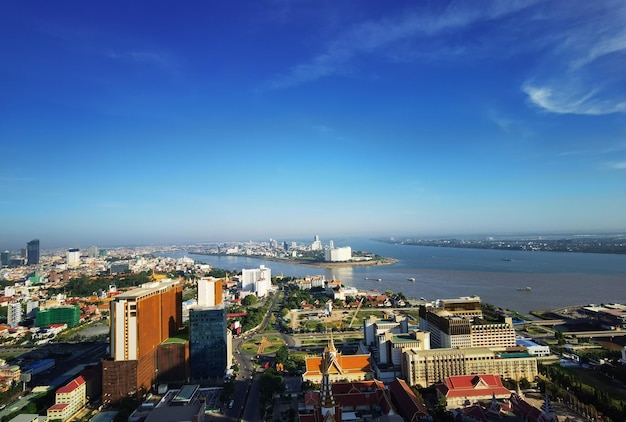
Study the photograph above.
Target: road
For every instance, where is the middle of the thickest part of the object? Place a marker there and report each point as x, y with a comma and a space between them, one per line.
246, 397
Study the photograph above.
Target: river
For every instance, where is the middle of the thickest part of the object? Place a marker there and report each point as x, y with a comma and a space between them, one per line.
555, 279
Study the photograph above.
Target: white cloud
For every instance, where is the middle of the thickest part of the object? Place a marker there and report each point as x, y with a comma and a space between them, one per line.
619, 165
563, 99
375, 35
582, 72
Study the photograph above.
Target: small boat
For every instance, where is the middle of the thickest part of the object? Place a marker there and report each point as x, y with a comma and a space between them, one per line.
380, 279
411, 279
524, 289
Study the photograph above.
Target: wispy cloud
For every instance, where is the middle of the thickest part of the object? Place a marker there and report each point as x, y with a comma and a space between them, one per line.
508, 124
142, 57
583, 71
564, 98
374, 36
621, 165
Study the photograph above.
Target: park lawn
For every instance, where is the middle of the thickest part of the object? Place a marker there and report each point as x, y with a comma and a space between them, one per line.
272, 349
250, 348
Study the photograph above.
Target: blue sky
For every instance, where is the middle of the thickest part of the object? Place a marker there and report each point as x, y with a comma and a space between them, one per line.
156, 122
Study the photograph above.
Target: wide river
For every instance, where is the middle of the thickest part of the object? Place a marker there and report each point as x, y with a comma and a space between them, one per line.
555, 279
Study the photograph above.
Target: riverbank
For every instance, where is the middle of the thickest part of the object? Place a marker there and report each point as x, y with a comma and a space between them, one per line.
315, 264
384, 261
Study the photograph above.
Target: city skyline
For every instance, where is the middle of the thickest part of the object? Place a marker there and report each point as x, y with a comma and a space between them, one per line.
142, 123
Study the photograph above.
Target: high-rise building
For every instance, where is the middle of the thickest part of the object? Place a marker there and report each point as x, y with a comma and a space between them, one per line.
141, 319
459, 323
14, 314
209, 342
258, 280
73, 257
32, 252
209, 291
317, 244
93, 252
5, 258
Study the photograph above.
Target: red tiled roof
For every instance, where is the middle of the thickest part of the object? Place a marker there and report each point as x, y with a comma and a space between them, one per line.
72, 385
355, 394
58, 406
473, 385
407, 403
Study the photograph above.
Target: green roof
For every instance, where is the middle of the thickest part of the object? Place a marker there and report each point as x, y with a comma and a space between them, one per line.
175, 340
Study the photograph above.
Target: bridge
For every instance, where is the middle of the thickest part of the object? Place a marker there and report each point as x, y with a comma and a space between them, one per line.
545, 322
602, 333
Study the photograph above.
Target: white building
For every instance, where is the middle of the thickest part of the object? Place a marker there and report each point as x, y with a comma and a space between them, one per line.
32, 306
317, 244
533, 348
209, 291
257, 280
374, 327
73, 257
338, 254
14, 314
9, 291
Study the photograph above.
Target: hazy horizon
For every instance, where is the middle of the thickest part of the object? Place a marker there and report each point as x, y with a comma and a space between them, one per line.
147, 123
337, 239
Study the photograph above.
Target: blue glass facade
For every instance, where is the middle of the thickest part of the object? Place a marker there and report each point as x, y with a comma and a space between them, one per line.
207, 342
32, 249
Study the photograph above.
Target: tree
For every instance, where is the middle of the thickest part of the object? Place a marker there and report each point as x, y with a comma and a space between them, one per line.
282, 354
227, 391
270, 383
249, 300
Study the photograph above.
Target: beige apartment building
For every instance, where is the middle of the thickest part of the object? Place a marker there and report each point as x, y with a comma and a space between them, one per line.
426, 367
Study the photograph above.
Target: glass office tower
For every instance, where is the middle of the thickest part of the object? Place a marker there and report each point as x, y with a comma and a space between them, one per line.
32, 252
207, 342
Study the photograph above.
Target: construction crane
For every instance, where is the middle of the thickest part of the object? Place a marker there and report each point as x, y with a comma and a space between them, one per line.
355, 312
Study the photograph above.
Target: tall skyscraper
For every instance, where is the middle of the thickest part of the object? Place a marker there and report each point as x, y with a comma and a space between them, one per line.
317, 244
141, 319
209, 342
73, 257
5, 258
32, 252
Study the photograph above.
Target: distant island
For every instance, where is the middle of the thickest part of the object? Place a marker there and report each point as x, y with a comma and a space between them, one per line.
611, 244
351, 263
359, 259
